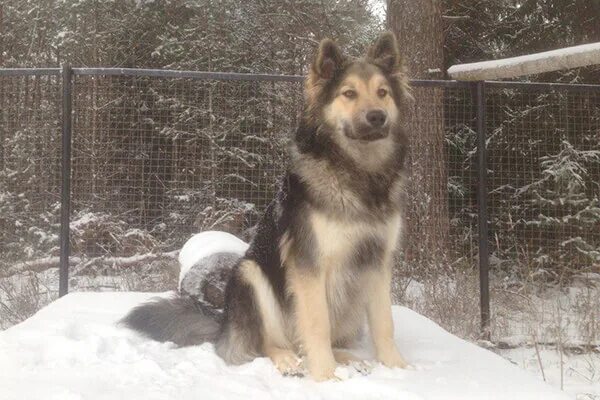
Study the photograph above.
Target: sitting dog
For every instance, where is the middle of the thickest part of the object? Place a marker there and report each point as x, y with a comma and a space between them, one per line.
320, 263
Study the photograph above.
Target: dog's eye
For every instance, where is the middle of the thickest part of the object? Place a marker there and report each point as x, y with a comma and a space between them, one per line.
349, 93
382, 92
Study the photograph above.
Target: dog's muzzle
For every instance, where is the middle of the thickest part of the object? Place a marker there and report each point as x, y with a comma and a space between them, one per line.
371, 126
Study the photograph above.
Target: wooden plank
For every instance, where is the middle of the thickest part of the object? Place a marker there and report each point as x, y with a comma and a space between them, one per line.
554, 60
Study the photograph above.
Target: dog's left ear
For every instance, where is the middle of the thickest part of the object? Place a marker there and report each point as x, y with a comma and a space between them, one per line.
385, 54
328, 60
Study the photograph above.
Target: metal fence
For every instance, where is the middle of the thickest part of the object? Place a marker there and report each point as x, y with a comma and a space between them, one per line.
104, 169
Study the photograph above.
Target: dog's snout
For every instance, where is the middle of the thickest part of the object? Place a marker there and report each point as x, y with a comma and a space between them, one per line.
376, 118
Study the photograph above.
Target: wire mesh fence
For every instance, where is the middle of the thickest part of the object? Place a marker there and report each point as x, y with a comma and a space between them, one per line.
441, 185
159, 155
544, 150
30, 151
30, 162
177, 156
544, 178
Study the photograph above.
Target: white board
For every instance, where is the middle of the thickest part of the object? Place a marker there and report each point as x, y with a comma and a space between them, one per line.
566, 58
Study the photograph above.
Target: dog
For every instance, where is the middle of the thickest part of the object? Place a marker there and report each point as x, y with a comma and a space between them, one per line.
320, 263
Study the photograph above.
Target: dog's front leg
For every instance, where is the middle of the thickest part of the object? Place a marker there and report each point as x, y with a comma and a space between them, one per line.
379, 310
312, 322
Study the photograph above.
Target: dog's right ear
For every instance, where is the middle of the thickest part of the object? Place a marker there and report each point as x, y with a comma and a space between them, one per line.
328, 61
384, 53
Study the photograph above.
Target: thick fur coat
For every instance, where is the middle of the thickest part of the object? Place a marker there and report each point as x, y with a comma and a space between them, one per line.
320, 264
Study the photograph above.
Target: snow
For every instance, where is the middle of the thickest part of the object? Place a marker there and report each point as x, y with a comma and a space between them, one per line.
565, 58
579, 370
205, 244
73, 349
556, 314
85, 219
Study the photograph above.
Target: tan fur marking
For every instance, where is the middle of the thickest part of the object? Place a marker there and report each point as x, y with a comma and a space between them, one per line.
342, 110
339, 236
379, 307
379, 312
273, 321
285, 247
336, 236
312, 323
337, 240
394, 231
345, 357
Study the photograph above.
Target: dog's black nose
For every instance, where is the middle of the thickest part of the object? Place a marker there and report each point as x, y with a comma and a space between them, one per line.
376, 118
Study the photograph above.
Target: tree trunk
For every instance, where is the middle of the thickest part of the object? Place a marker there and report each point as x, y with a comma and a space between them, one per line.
418, 27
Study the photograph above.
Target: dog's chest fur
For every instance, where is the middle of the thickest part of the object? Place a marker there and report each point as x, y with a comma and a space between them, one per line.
349, 253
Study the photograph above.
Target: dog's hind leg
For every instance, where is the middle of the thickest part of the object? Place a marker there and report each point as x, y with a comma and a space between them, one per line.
275, 344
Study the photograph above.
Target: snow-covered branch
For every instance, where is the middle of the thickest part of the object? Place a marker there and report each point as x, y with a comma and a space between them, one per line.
45, 263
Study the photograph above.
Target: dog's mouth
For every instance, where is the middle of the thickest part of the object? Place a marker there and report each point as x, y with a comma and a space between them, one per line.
366, 134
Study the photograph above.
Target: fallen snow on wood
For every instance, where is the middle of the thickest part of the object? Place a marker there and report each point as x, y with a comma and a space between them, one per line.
73, 349
554, 60
205, 244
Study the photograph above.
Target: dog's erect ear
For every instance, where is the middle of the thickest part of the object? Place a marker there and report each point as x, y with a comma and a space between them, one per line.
329, 60
385, 54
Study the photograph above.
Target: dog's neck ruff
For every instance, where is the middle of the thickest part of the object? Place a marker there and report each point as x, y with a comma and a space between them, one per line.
341, 188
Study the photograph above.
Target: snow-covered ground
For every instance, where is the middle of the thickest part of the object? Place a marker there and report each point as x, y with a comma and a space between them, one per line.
532, 326
73, 349
580, 370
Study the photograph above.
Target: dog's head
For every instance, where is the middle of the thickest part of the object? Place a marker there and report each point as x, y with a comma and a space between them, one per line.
356, 104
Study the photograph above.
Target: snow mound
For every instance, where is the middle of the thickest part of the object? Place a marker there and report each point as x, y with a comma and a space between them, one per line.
74, 349
205, 244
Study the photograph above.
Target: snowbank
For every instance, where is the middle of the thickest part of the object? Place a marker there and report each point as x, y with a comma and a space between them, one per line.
72, 349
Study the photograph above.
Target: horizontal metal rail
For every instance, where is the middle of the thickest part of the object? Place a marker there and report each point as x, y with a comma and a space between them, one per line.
439, 83
542, 86
232, 76
29, 71
169, 73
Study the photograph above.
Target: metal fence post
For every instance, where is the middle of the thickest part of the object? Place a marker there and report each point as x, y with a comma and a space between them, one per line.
65, 206
482, 212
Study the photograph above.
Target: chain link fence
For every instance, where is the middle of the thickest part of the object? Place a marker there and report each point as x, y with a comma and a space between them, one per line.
160, 155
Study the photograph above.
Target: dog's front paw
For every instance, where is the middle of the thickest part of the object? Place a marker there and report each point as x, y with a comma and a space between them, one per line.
286, 361
323, 370
392, 359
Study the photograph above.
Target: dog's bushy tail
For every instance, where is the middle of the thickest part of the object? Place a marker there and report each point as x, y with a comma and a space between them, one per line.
179, 319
